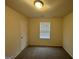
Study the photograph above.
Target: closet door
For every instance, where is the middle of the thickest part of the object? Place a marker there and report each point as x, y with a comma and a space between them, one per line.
23, 26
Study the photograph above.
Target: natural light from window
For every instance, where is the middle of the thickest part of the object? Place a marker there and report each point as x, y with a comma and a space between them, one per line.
45, 30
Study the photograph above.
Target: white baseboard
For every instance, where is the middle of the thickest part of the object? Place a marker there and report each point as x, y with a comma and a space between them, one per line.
19, 52
68, 52
13, 57
9, 57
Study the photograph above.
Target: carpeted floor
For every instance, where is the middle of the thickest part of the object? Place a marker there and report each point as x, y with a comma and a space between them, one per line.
43, 53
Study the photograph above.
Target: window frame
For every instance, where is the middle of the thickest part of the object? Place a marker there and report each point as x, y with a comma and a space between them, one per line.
49, 31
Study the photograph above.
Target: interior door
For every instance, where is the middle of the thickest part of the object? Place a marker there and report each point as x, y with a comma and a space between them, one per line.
23, 24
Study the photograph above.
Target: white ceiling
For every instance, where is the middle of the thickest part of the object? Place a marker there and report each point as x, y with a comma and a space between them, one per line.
51, 8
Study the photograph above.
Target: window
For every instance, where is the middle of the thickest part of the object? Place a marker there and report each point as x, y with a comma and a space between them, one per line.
45, 30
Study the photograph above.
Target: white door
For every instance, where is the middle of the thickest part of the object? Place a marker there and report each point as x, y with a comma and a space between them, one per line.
23, 34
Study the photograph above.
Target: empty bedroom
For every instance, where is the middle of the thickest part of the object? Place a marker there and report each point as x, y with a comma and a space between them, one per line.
39, 29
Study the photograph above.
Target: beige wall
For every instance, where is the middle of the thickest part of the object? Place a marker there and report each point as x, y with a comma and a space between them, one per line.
16, 26
68, 33
56, 32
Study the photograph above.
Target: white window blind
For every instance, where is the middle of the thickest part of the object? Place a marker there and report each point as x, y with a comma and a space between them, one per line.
45, 30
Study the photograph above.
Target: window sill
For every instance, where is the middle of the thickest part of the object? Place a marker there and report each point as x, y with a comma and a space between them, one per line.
45, 38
